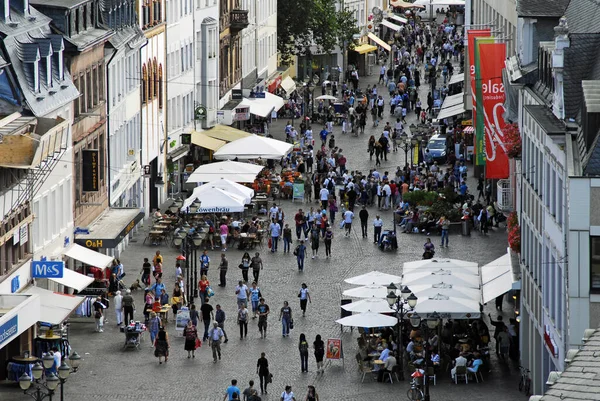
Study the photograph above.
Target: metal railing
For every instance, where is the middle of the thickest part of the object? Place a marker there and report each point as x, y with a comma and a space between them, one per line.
505, 195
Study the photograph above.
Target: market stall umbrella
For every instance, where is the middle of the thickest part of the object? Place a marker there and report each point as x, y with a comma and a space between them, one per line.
254, 147
230, 170
367, 291
368, 319
443, 276
438, 263
448, 307
453, 291
216, 200
439, 2
229, 186
326, 97
376, 305
374, 278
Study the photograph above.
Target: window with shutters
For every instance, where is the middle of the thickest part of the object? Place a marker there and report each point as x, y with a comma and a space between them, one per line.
144, 84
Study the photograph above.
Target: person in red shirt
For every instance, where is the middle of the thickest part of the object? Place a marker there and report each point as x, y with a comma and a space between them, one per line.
394, 189
300, 220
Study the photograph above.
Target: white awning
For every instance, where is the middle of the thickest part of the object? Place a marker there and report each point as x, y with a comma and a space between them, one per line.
496, 278
451, 111
19, 313
391, 25
74, 280
456, 78
288, 85
263, 107
55, 307
88, 256
454, 100
398, 18
379, 41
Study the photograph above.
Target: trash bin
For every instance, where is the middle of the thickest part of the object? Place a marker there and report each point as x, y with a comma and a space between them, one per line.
466, 227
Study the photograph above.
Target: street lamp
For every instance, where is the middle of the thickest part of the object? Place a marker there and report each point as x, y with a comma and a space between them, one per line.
189, 245
433, 320
401, 302
41, 390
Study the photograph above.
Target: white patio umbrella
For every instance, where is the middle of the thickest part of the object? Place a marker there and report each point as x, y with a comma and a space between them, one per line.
448, 307
326, 97
376, 305
216, 200
473, 270
230, 170
438, 277
254, 147
229, 186
374, 278
437, 263
368, 319
453, 291
367, 291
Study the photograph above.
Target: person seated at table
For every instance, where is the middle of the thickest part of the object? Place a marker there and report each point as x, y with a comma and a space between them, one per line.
434, 341
252, 229
465, 346
475, 363
435, 358
390, 362
245, 227
460, 361
410, 350
236, 225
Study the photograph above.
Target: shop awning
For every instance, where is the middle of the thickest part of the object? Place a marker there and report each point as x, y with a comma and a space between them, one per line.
404, 4
179, 153
496, 278
454, 100
74, 280
451, 111
225, 133
391, 25
19, 312
55, 307
110, 228
456, 78
398, 18
262, 107
379, 41
288, 85
205, 141
366, 48
88, 256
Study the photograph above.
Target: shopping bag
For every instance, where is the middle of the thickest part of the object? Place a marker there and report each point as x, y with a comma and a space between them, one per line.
342, 224
270, 244
209, 291
198, 343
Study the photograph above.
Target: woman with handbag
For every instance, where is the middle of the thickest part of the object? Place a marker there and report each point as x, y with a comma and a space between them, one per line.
243, 321
262, 369
161, 345
191, 338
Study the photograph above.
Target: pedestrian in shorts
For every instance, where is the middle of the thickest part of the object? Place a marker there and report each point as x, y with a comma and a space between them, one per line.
263, 312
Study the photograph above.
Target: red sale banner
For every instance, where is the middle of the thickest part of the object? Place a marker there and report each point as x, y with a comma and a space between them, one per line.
471, 35
491, 63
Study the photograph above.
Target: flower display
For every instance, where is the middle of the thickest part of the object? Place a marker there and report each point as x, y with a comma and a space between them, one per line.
512, 141
514, 232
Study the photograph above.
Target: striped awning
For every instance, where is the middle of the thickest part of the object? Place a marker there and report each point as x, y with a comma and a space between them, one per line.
469, 130
379, 41
391, 25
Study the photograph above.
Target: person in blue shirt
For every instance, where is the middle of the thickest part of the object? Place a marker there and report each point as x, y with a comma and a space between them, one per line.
323, 134
231, 390
463, 188
275, 230
204, 263
300, 253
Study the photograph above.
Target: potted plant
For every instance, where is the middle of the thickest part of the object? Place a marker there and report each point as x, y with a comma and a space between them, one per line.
512, 141
514, 232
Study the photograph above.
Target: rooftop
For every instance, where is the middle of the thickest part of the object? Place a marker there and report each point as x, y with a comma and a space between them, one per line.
541, 8
544, 117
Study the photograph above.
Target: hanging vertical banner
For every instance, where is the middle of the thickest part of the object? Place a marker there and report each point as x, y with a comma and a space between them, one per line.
491, 63
89, 170
472, 34
478, 104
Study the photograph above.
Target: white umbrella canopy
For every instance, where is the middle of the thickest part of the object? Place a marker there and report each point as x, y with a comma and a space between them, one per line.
376, 305
448, 307
438, 277
216, 200
453, 291
472, 270
230, 170
368, 319
436, 263
229, 186
254, 147
374, 278
326, 97
367, 291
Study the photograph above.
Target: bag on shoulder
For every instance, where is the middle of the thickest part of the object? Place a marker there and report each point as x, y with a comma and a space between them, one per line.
296, 251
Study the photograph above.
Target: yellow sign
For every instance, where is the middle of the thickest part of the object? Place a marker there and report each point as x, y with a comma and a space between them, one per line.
466, 122
93, 243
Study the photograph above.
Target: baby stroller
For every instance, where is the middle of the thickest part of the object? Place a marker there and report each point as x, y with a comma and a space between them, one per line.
388, 241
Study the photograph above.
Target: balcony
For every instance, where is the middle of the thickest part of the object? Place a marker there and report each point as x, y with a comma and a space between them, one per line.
238, 20
505, 196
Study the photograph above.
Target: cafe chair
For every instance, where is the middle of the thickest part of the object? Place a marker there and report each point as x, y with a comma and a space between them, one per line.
397, 371
461, 373
431, 375
477, 374
363, 368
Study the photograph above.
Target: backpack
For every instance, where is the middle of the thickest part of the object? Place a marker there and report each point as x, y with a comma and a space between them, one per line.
330, 184
211, 229
303, 346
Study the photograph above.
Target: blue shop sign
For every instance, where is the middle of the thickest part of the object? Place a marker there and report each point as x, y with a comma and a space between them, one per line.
9, 329
47, 269
15, 284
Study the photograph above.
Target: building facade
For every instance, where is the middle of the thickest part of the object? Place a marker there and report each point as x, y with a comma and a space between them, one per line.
232, 20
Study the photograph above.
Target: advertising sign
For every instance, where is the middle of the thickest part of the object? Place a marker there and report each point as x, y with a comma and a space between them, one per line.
9, 329
334, 348
491, 63
183, 316
478, 105
90, 179
472, 34
47, 269
298, 191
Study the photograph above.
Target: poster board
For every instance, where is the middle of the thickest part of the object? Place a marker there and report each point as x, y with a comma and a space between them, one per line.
182, 318
334, 349
298, 191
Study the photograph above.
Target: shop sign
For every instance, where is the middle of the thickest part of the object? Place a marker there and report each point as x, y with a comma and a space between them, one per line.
24, 234
241, 114
47, 269
466, 122
90, 175
15, 284
334, 348
237, 94
9, 329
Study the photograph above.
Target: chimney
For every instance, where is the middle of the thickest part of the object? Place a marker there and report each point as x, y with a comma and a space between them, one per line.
5, 10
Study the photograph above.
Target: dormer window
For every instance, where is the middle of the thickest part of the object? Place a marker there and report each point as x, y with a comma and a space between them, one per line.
45, 47
31, 58
58, 47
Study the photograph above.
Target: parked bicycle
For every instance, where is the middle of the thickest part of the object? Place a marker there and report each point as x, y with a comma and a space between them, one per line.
415, 393
525, 381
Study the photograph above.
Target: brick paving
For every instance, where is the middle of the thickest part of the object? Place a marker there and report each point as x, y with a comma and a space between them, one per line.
110, 373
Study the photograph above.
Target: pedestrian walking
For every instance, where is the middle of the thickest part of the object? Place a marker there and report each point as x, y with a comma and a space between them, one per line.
311, 394
319, 347
275, 230
348, 217
232, 392
250, 393
363, 215
204, 263
128, 307
303, 348
215, 335
300, 253
257, 266
118, 299
190, 333
161, 345
207, 314
242, 319
285, 317
262, 370
146, 270
242, 293
444, 224
287, 238
377, 226
263, 313
99, 307
224, 232
203, 285
223, 271
220, 318
288, 394
153, 326
194, 316
304, 296
314, 241
327, 240
245, 266
254, 298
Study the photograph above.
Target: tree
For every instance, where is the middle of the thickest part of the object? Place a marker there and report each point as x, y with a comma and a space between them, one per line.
307, 23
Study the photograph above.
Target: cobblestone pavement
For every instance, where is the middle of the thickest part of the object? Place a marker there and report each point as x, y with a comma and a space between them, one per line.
110, 373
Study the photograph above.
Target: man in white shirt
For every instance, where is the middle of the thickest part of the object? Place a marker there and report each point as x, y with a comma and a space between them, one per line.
273, 211
387, 193
377, 225
460, 361
324, 197
348, 216
242, 293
